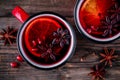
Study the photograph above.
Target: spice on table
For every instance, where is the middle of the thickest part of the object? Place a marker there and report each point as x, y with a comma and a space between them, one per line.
106, 59
97, 73
8, 35
108, 56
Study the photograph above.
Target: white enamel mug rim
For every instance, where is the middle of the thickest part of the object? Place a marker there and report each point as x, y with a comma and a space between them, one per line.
67, 56
81, 30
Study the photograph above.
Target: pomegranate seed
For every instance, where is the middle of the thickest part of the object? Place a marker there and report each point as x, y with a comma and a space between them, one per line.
39, 41
14, 64
94, 28
89, 31
19, 58
34, 43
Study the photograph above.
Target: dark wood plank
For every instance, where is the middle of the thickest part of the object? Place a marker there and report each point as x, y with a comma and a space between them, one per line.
62, 7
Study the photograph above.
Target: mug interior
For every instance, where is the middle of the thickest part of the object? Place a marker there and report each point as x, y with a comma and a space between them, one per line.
82, 30
64, 59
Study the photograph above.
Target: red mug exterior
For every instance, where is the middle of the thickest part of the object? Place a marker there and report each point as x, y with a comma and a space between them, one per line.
23, 17
20, 14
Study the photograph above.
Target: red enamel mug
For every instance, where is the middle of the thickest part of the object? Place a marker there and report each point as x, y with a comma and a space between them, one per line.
45, 40
98, 20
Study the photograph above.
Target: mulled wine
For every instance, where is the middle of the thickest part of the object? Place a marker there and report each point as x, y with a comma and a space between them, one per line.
41, 40
99, 19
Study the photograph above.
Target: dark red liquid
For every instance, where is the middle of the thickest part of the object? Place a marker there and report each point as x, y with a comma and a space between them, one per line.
42, 28
92, 16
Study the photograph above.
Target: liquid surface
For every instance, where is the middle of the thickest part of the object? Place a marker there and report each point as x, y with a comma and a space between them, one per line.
42, 28
93, 16
39, 28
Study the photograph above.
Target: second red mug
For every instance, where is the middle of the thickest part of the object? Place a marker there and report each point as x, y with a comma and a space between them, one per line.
98, 20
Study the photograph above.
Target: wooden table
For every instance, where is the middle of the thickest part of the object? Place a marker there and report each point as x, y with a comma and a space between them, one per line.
74, 69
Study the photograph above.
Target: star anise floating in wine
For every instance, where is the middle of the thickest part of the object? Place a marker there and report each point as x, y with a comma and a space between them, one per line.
48, 49
8, 35
97, 73
116, 12
62, 37
111, 23
109, 26
45, 49
108, 56
49, 53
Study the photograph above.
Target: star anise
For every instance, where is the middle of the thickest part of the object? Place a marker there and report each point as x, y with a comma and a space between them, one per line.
97, 73
48, 53
108, 57
48, 49
45, 50
109, 23
109, 26
62, 37
8, 35
116, 12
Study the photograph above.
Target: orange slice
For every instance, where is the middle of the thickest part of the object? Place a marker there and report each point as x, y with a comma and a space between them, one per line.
39, 28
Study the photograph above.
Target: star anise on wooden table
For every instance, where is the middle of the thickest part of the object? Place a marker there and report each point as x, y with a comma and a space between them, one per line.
62, 37
97, 73
8, 35
108, 56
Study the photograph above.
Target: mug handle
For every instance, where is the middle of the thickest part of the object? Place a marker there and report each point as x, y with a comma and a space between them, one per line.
20, 14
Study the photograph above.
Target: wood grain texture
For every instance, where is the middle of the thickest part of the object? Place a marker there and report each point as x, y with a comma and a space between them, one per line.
73, 69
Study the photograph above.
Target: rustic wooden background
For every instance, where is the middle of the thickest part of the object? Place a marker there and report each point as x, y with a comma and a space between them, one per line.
73, 69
